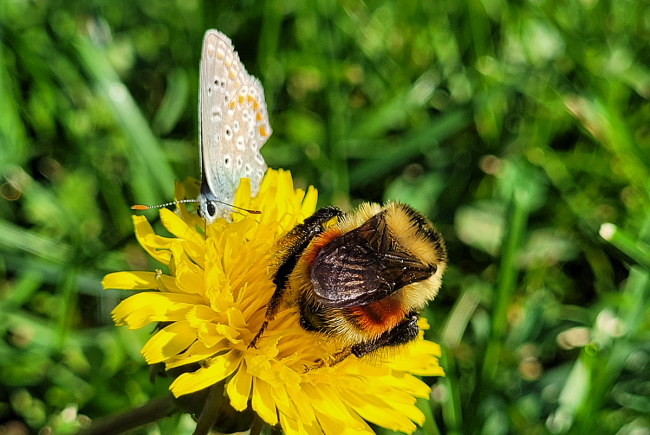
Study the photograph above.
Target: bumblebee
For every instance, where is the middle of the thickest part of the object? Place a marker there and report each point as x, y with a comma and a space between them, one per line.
359, 279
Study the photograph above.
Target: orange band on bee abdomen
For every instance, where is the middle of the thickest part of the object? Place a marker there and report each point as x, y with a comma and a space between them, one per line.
318, 242
379, 316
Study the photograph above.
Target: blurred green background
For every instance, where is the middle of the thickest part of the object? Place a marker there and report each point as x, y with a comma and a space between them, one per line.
519, 128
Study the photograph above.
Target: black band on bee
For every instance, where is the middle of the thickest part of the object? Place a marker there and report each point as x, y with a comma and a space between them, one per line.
403, 333
312, 316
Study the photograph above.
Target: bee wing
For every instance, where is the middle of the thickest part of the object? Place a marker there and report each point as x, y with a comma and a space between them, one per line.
363, 266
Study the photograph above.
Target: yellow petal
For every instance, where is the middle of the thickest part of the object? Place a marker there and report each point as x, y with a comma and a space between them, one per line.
168, 342
258, 364
236, 319
407, 383
263, 403
189, 276
211, 333
242, 197
219, 368
193, 242
375, 410
133, 281
329, 409
420, 358
156, 246
143, 308
196, 352
239, 388
335, 425
280, 376
410, 411
188, 189
309, 203
301, 403
313, 429
291, 426
283, 403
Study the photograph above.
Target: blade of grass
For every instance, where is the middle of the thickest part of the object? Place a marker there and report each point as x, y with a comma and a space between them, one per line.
127, 114
15, 238
395, 112
26, 285
636, 250
452, 413
415, 144
429, 427
87, 283
507, 278
12, 131
66, 293
173, 103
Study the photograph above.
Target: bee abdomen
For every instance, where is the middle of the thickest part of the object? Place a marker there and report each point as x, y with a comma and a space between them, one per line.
403, 333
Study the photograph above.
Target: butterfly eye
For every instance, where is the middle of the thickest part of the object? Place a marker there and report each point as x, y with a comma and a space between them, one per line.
211, 209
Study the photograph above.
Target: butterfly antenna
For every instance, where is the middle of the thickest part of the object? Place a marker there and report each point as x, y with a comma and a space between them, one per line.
234, 206
167, 204
185, 201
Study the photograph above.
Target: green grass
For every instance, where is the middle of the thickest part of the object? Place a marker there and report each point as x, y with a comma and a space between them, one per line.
518, 128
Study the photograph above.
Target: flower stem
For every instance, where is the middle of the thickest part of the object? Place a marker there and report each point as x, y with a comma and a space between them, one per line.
257, 426
209, 416
115, 424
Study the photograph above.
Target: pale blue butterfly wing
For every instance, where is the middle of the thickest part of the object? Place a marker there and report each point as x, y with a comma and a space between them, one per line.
233, 126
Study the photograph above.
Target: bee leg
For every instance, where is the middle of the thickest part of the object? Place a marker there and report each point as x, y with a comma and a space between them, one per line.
401, 334
295, 242
318, 364
336, 358
273, 306
271, 310
340, 356
253, 343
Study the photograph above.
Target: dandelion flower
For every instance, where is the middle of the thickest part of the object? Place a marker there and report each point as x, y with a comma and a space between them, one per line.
213, 302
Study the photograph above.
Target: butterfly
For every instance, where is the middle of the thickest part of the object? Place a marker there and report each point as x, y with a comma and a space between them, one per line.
233, 126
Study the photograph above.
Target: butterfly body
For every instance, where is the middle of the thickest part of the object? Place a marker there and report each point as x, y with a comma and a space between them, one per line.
233, 126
